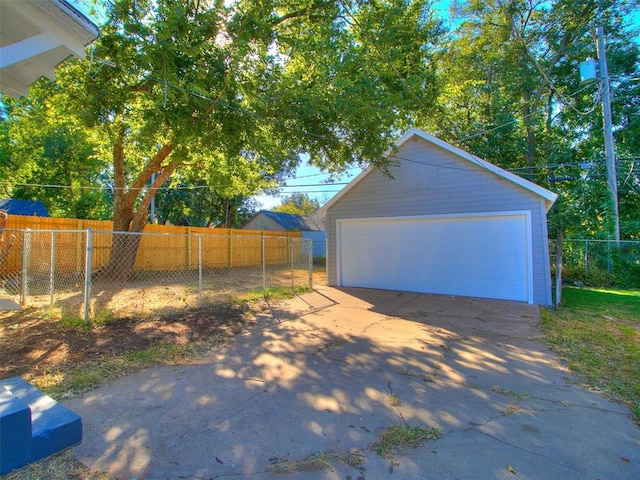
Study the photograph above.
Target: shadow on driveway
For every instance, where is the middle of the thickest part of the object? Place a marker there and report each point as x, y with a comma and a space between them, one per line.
326, 372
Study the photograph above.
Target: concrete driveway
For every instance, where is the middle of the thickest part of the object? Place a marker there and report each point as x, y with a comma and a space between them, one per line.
326, 372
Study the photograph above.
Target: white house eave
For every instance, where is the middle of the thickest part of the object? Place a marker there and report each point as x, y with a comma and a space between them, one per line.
36, 36
547, 195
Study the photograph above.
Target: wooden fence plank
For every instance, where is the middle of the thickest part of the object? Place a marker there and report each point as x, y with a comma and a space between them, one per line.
165, 248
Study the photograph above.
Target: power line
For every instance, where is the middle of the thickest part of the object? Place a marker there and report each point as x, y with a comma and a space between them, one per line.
283, 124
177, 187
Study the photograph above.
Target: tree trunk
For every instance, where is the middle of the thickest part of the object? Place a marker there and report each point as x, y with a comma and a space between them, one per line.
231, 212
129, 221
530, 154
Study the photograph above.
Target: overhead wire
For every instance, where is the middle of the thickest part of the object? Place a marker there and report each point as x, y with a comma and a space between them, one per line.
285, 125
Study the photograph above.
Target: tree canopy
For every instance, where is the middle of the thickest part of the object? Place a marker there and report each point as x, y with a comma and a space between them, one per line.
298, 204
509, 91
203, 103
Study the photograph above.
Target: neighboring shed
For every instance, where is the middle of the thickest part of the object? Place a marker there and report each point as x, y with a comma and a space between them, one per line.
311, 227
445, 222
31, 208
277, 222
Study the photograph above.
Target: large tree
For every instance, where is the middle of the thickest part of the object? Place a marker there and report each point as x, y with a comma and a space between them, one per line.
246, 87
509, 90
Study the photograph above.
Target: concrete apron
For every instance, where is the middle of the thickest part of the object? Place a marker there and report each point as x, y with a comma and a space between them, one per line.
317, 375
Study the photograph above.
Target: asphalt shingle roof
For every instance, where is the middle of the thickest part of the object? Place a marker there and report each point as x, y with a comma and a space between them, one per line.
24, 207
290, 222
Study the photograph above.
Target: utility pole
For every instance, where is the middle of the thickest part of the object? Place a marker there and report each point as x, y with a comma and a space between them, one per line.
610, 154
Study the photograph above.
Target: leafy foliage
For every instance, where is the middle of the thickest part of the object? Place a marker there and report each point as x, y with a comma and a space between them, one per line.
509, 91
298, 204
44, 145
232, 93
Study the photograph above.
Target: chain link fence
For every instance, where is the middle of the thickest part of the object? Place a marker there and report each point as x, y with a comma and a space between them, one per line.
103, 274
599, 263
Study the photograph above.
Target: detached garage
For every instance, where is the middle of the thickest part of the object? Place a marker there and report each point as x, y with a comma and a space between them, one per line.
445, 222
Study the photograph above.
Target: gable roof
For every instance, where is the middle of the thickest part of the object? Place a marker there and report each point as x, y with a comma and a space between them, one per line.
24, 207
547, 195
289, 221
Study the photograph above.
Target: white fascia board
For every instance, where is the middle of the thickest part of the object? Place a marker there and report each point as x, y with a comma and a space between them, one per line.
28, 48
56, 27
91, 30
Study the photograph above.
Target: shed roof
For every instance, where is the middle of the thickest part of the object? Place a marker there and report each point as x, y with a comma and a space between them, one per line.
289, 221
24, 207
547, 195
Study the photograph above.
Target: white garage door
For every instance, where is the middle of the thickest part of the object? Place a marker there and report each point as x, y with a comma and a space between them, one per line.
485, 255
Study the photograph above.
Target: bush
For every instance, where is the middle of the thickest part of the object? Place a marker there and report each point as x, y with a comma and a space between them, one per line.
593, 277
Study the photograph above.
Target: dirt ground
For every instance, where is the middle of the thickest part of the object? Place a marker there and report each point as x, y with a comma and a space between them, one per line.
33, 343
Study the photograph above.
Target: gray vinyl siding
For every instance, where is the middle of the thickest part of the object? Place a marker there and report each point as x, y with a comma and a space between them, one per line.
432, 181
262, 222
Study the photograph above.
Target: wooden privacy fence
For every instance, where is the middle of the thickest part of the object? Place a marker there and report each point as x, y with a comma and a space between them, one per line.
161, 247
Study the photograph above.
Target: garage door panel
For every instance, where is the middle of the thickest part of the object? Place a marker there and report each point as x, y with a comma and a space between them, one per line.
485, 256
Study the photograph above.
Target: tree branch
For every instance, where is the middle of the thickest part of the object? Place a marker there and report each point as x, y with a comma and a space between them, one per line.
140, 216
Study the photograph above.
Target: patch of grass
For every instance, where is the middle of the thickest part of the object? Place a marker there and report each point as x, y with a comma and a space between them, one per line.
75, 322
167, 353
352, 459
398, 437
104, 316
596, 332
278, 293
509, 393
69, 381
62, 466
317, 461
85, 379
394, 400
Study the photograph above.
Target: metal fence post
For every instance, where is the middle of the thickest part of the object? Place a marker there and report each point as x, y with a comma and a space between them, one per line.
310, 246
559, 252
52, 269
199, 270
586, 257
264, 265
87, 273
26, 245
291, 253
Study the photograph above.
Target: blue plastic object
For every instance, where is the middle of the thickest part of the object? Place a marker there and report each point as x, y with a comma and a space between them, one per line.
32, 425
